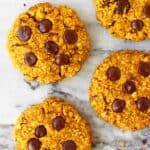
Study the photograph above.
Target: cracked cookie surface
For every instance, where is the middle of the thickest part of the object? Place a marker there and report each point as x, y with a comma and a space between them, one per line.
52, 125
125, 19
120, 89
48, 43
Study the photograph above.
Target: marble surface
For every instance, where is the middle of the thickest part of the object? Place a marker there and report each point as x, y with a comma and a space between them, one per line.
18, 94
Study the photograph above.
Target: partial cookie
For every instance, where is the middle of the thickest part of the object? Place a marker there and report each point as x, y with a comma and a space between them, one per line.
48, 43
120, 89
125, 19
52, 125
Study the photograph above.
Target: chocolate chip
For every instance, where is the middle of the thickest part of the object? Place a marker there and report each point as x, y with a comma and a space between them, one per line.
146, 10
118, 105
123, 6
113, 73
51, 47
143, 103
45, 26
40, 131
62, 59
70, 36
137, 25
30, 59
58, 123
144, 69
129, 87
34, 144
24, 33
69, 145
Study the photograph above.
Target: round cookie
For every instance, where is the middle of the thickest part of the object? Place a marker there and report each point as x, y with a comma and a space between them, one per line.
125, 19
52, 125
48, 43
120, 89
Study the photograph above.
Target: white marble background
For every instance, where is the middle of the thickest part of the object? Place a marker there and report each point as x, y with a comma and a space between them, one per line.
16, 94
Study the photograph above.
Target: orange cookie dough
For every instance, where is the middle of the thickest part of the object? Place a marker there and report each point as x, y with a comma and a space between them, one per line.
52, 125
120, 89
125, 19
48, 43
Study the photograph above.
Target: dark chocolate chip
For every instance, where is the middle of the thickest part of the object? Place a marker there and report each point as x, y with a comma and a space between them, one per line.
123, 6
118, 105
58, 123
52, 47
113, 73
30, 59
40, 131
144, 69
146, 10
70, 36
24, 33
129, 87
143, 103
45, 26
62, 59
34, 144
137, 25
69, 145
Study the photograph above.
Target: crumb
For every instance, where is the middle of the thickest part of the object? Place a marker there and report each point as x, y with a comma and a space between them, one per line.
144, 141
122, 143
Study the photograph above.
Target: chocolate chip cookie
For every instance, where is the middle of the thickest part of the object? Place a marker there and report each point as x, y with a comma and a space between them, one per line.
125, 19
120, 89
52, 125
48, 43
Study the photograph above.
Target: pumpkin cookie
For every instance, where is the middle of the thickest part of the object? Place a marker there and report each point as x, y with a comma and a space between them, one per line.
125, 19
48, 43
120, 89
52, 125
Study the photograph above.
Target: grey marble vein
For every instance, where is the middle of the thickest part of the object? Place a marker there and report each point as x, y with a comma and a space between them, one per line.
105, 136
18, 94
